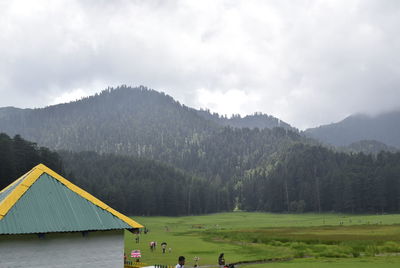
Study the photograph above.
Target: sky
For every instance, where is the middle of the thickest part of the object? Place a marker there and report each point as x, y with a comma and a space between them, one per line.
307, 62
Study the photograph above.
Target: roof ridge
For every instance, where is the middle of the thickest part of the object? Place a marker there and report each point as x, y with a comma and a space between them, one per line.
29, 178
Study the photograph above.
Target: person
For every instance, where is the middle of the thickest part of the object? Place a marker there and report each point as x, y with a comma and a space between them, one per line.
181, 262
196, 261
163, 246
221, 260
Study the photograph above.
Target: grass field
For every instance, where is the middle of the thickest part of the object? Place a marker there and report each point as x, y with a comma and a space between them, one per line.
312, 240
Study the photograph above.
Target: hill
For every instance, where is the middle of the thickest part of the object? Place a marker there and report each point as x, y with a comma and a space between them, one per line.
384, 128
145, 123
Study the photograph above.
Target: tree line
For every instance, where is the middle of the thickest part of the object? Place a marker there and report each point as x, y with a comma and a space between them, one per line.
18, 156
300, 178
315, 179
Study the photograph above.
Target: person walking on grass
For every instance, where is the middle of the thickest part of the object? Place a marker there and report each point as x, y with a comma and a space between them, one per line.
164, 247
181, 262
221, 260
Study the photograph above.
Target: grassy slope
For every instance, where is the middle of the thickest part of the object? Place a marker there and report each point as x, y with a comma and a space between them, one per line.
190, 242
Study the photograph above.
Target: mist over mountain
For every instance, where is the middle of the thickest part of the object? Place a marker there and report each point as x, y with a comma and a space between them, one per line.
384, 128
368, 147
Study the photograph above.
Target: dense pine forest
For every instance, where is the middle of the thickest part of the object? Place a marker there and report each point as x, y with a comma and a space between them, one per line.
144, 187
315, 179
17, 156
144, 153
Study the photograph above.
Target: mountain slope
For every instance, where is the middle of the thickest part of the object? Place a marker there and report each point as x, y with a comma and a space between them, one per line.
119, 120
384, 128
145, 123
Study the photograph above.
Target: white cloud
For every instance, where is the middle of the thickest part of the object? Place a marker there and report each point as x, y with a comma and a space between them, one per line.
230, 102
306, 62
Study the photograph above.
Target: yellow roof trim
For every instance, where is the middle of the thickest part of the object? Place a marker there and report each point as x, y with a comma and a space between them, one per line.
30, 177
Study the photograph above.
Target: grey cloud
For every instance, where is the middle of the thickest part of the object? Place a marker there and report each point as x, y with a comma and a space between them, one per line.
307, 62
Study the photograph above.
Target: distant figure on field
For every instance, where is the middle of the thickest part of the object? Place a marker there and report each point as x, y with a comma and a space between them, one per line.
196, 261
221, 260
137, 239
152, 245
181, 262
163, 246
169, 250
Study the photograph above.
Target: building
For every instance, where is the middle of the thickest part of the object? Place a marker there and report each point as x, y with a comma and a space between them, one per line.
46, 221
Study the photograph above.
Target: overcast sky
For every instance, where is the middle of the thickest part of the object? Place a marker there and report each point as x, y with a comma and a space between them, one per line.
306, 62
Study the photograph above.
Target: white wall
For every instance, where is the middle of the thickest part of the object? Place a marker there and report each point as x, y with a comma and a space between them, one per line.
98, 249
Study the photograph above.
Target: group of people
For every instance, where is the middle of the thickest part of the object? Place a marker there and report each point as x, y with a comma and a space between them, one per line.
153, 245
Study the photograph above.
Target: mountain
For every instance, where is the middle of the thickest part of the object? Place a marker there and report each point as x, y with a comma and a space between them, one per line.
384, 128
145, 123
121, 120
257, 120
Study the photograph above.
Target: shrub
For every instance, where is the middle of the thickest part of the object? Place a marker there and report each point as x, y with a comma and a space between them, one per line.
390, 246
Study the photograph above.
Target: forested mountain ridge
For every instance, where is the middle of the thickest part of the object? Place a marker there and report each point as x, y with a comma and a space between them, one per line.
145, 123
384, 128
122, 120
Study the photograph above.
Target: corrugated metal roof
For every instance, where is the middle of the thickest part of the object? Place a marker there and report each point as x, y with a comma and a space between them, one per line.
48, 204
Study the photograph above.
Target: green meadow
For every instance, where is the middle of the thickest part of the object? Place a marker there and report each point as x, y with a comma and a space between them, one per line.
283, 240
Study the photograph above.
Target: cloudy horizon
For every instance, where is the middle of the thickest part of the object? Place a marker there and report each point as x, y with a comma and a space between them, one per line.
308, 62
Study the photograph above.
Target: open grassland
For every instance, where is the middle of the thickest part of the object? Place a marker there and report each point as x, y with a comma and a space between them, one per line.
311, 239
367, 262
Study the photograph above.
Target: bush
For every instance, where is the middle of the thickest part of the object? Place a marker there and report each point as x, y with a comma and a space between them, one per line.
303, 253
372, 250
276, 243
335, 252
299, 245
355, 253
390, 246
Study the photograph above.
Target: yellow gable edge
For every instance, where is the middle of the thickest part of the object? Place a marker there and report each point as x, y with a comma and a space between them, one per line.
8, 202
16, 181
88, 196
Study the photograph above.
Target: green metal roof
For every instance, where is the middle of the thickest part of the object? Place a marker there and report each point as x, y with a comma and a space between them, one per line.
50, 206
